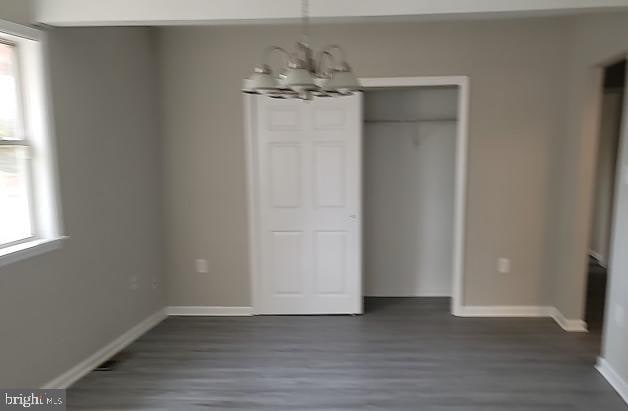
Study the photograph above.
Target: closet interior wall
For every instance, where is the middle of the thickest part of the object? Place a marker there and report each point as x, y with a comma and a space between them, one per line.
409, 187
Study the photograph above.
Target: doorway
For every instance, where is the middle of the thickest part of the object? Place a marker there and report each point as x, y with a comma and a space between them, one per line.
609, 132
444, 110
409, 191
283, 140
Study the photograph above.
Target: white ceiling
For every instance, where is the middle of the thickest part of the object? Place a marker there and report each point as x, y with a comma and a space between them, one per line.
169, 12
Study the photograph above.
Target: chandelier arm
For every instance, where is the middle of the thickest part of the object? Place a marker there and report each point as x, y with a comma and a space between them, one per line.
270, 49
331, 47
321, 59
305, 21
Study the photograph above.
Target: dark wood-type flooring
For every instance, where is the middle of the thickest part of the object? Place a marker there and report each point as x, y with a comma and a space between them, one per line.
403, 354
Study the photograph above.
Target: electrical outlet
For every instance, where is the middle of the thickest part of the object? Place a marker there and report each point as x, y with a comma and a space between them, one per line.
619, 315
133, 282
155, 283
503, 265
202, 267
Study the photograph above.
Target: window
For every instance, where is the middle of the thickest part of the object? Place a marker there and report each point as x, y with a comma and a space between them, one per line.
29, 222
15, 200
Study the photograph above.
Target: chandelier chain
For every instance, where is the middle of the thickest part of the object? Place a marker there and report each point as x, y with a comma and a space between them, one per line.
305, 13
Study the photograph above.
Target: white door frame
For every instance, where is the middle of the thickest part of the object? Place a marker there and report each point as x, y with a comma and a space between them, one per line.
460, 196
462, 82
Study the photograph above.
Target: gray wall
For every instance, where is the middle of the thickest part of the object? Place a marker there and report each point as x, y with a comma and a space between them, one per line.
17, 11
595, 40
58, 308
531, 155
517, 103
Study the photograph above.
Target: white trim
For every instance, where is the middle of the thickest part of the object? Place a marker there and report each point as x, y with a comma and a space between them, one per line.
461, 194
198, 12
578, 326
49, 187
209, 311
35, 98
22, 251
425, 81
410, 294
359, 209
84, 367
252, 199
598, 257
613, 378
528, 311
505, 311
462, 82
19, 30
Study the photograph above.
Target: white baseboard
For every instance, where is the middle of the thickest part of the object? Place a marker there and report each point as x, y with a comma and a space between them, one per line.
567, 324
523, 311
84, 367
209, 311
598, 257
420, 294
504, 311
613, 378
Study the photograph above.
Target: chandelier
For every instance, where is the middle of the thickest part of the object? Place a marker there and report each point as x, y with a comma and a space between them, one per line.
305, 74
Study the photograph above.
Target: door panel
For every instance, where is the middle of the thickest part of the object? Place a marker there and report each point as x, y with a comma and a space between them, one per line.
331, 269
329, 175
284, 118
285, 175
329, 118
286, 264
308, 186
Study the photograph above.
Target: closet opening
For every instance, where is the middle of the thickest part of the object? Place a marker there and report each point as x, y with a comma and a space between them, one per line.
410, 165
359, 197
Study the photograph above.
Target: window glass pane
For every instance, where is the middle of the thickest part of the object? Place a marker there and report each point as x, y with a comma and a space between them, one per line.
15, 218
8, 94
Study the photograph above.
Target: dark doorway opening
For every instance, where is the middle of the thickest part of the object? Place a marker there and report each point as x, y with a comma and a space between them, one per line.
605, 181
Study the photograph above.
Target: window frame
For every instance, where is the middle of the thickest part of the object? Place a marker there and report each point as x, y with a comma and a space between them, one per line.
21, 139
33, 133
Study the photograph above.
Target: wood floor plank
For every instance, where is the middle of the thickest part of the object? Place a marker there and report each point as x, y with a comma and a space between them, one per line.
403, 354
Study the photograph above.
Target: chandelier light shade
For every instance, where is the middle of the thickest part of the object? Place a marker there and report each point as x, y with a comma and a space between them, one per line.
342, 80
303, 75
262, 80
299, 78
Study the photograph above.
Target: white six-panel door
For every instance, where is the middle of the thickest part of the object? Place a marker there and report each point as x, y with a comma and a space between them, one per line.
306, 159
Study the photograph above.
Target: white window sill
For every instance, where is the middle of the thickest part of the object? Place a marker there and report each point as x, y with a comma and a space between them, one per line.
30, 249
